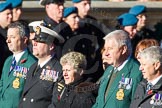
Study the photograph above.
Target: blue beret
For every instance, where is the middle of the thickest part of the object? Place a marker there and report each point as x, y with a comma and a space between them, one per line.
15, 3
138, 9
4, 6
76, 1
70, 10
127, 19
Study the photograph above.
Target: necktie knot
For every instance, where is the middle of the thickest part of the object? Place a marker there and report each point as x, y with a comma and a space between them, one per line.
149, 86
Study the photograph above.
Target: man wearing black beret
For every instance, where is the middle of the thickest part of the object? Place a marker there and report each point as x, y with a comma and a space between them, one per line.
54, 11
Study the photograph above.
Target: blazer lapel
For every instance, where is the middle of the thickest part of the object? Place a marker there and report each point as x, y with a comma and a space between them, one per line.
103, 84
154, 89
30, 79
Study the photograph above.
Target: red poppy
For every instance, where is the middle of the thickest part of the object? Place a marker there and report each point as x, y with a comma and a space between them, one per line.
23, 61
150, 92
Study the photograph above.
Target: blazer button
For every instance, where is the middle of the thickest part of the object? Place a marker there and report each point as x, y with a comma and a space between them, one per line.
32, 100
24, 99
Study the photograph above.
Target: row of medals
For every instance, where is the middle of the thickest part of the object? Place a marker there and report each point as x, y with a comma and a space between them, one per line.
156, 100
49, 75
125, 83
19, 72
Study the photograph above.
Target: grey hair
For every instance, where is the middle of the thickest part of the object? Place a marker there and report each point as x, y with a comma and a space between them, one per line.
22, 26
121, 37
153, 53
75, 59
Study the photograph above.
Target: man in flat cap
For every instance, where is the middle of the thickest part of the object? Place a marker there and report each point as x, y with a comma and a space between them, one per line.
43, 74
127, 22
54, 11
142, 31
16, 9
5, 20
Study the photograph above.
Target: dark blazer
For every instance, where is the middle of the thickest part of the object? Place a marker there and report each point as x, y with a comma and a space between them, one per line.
10, 94
4, 50
38, 91
143, 99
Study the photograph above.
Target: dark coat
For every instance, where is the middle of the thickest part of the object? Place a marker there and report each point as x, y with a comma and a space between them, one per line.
88, 40
49, 22
142, 99
37, 92
4, 51
69, 96
144, 33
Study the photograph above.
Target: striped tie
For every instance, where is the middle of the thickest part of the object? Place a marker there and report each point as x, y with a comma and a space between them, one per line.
149, 85
13, 64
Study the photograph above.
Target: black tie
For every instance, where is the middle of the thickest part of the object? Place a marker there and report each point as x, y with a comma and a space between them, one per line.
36, 70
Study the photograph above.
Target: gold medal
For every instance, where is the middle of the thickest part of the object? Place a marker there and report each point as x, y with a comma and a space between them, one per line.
120, 94
16, 83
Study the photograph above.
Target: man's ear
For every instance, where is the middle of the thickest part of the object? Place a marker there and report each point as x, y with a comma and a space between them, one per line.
124, 49
25, 39
157, 65
52, 46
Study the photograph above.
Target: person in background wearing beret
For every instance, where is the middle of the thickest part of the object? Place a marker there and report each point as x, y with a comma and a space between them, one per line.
149, 91
16, 9
5, 20
120, 79
68, 29
128, 22
74, 91
16, 66
142, 31
92, 32
54, 11
43, 74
